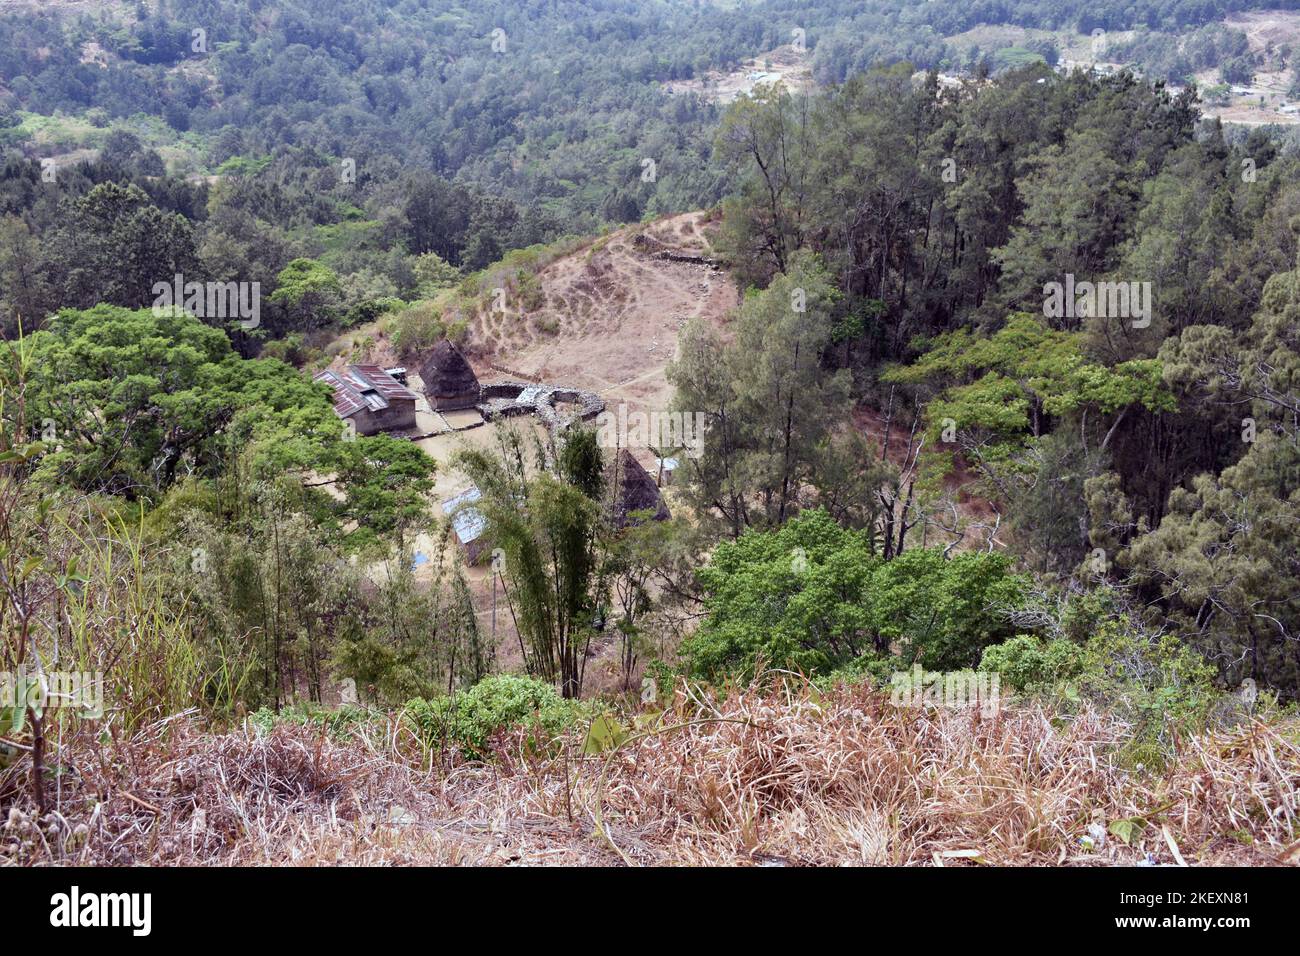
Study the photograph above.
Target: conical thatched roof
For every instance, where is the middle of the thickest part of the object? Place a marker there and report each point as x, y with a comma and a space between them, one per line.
635, 491
447, 376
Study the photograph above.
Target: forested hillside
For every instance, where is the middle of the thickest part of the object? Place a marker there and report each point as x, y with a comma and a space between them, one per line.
552, 103
897, 466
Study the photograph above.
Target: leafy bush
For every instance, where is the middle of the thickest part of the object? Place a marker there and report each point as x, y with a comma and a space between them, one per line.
418, 328
369, 310
501, 702
1026, 662
1156, 679
876, 669
529, 290
1164, 688
813, 596
434, 273
942, 612
795, 597
288, 349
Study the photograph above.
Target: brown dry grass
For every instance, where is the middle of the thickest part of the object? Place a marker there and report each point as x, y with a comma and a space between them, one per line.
761, 777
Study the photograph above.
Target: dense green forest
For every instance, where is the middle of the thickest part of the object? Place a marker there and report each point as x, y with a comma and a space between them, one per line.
553, 103
1012, 387
340, 133
1113, 447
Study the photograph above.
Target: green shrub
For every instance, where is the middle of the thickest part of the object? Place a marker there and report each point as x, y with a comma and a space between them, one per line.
942, 612
1026, 662
876, 669
812, 596
529, 290
793, 598
370, 310
1082, 615
1150, 677
1158, 683
501, 702
433, 273
288, 349
418, 328
1155, 682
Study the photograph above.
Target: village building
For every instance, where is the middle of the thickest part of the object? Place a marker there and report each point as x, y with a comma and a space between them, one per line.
467, 522
634, 491
371, 398
449, 382
666, 467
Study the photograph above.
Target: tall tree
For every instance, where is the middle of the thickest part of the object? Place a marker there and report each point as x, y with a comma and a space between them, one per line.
769, 402
135, 400
115, 245
546, 531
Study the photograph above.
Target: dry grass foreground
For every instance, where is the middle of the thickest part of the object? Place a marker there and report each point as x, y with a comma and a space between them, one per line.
760, 777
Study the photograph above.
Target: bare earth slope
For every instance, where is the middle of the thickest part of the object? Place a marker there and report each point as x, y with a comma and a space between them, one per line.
612, 312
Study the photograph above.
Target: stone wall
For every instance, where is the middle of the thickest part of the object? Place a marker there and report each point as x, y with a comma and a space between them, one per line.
504, 399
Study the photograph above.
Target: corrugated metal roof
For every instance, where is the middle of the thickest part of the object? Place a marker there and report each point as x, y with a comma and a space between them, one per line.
374, 376
363, 386
468, 522
347, 400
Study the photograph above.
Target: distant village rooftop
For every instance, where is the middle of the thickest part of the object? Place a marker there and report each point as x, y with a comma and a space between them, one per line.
370, 397
467, 521
635, 492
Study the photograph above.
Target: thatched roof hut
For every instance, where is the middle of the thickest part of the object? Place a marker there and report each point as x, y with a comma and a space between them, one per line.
634, 490
449, 382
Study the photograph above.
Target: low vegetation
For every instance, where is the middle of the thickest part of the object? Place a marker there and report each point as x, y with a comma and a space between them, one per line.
773, 775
